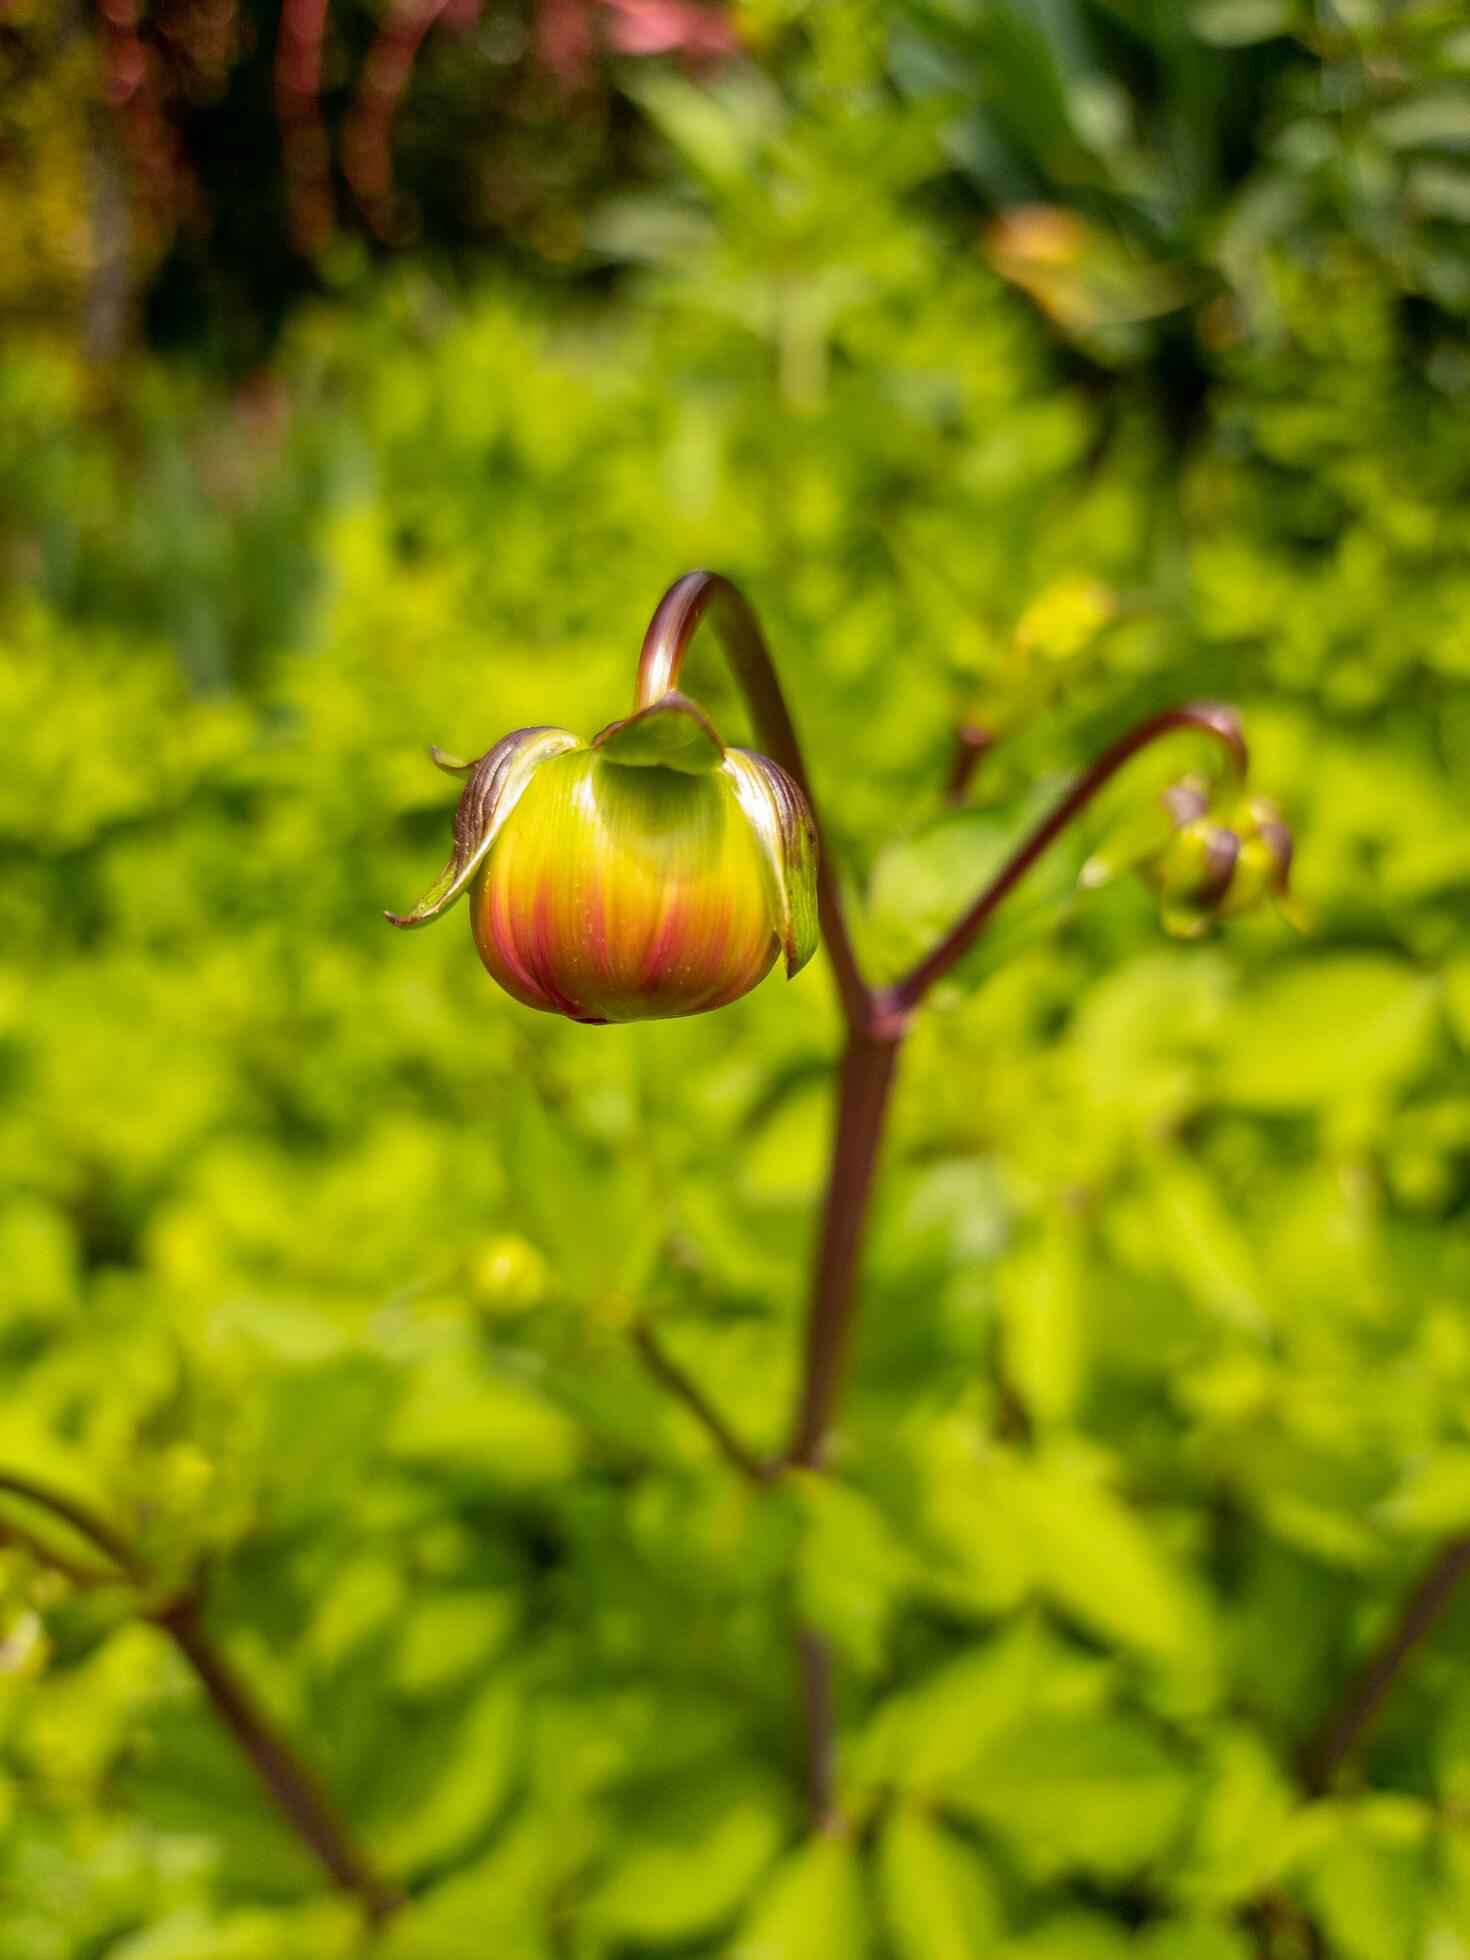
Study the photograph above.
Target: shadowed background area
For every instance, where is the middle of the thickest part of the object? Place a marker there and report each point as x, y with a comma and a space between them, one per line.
366, 373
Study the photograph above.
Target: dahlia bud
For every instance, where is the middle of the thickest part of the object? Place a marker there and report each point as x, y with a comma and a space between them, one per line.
1204, 866
650, 874
1213, 869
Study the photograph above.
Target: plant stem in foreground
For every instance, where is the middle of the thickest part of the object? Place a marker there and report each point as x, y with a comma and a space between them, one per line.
876, 1019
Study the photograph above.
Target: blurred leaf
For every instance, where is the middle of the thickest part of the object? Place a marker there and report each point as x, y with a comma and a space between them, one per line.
449, 1781
938, 1899
1331, 1029
850, 1568
812, 1910
1367, 1877
1094, 1794
689, 1861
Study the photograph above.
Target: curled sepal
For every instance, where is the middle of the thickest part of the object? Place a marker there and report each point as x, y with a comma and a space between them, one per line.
780, 817
672, 733
496, 784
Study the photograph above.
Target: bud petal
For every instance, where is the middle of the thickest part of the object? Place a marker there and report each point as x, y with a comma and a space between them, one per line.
671, 734
781, 819
496, 784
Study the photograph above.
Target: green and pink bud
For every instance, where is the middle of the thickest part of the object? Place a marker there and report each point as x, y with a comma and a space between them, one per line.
649, 874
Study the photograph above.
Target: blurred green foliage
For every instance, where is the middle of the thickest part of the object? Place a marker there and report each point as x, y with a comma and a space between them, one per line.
318, 1257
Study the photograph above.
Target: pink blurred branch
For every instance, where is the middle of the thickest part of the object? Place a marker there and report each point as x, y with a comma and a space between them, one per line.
569, 33
130, 88
367, 152
310, 206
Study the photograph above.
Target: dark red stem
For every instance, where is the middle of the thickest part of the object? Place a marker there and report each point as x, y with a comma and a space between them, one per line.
298, 82
876, 1021
819, 1723
972, 743
865, 1084
367, 139
82, 1520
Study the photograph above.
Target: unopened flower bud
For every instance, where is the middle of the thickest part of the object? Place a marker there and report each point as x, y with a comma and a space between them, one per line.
648, 874
1213, 869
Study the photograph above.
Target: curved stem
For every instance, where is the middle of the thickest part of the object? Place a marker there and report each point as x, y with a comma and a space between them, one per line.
73, 1570
681, 612
295, 1790
1203, 716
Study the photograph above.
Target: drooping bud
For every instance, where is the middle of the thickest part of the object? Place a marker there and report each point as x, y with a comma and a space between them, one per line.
1220, 868
650, 874
1205, 865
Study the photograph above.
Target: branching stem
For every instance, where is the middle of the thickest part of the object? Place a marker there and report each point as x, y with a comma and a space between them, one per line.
1209, 719
877, 1019
972, 743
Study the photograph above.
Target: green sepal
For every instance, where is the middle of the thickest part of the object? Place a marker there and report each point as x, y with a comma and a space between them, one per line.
496, 783
783, 821
671, 734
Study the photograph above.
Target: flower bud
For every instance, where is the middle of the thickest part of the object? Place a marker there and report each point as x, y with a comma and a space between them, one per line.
1213, 869
650, 874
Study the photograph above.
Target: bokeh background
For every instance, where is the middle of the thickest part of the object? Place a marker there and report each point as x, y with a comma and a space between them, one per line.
366, 372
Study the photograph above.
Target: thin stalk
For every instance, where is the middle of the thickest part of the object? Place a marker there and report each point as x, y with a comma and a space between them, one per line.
21, 1539
292, 1786
876, 1019
665, 1370
296, 1793
1367, 1691
819, 1723
681, 612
